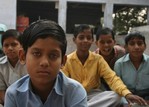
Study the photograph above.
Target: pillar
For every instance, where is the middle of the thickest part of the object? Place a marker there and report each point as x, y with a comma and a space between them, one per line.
108, 12
62, 12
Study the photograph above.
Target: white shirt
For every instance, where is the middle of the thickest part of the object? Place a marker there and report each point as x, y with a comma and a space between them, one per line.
9, 74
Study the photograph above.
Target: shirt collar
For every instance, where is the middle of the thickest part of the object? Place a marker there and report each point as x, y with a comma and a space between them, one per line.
3, 59
126, 58
58, 84
90, 57
26, 85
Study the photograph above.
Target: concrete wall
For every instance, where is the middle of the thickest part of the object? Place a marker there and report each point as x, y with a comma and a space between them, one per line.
8, 13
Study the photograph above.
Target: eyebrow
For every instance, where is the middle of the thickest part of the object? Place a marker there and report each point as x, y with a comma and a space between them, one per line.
38, 49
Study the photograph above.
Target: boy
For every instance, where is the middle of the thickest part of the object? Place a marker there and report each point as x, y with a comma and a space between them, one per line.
105, 42
10, 67
44, 45
87, 68
133, 68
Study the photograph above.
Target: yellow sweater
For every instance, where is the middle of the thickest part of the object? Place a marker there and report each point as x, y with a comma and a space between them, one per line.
90, 73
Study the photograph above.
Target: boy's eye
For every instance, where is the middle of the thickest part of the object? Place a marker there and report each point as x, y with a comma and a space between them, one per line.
53, 56
89, 38
6, 45
108, 42
139, 43
81, 37
13, 44
36, 53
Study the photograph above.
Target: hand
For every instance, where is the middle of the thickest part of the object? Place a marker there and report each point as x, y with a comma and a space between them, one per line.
135, 99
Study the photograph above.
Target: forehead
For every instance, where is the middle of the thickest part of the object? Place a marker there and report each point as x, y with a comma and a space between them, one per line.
10, 39
136, 39
85, 31
105, 36
47, 43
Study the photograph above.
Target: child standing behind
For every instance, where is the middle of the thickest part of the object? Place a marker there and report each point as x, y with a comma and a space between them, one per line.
44, 43
87, 68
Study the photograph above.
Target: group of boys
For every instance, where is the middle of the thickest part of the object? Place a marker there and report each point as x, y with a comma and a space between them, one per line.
57, 80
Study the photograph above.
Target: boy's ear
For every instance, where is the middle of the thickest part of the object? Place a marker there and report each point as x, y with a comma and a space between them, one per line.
125, 47
74, 40
114, 42
22, 56
96, 42
64, 60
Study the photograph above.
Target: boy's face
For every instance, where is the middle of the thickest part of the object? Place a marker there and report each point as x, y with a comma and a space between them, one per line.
84, 40
43, 60
11, 47
135, 47
105, 43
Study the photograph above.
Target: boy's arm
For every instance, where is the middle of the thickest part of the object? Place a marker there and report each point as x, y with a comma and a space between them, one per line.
2, 89
2, 95
65, 69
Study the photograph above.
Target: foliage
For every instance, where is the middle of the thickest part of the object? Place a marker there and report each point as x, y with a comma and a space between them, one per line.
129, 17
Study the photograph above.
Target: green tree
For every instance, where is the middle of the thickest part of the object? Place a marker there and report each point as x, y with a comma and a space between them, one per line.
129, 17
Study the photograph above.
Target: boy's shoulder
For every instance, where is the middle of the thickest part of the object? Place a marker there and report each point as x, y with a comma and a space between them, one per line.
68, 82
123, 59
19, 85
92, 55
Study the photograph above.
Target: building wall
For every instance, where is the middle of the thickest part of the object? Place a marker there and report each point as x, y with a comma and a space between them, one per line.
8, 13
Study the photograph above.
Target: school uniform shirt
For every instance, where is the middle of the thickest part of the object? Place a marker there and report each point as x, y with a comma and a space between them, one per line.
118, 53
9, 74
135, 80
90, 73
65, 93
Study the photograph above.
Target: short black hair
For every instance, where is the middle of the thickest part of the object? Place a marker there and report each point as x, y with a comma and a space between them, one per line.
133, 35
81, 28
11, 33
104, 31
43, 29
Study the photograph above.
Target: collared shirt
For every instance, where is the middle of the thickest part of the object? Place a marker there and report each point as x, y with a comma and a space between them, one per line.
135, 80
65, 93
118, 52
9, 74
90, 73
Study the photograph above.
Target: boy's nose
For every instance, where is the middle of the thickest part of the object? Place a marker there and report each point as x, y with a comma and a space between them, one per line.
44, 62
85, 39
10, 47
136, 45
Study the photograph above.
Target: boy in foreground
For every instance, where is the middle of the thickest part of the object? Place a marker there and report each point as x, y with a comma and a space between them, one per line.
88, 67
44, 45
